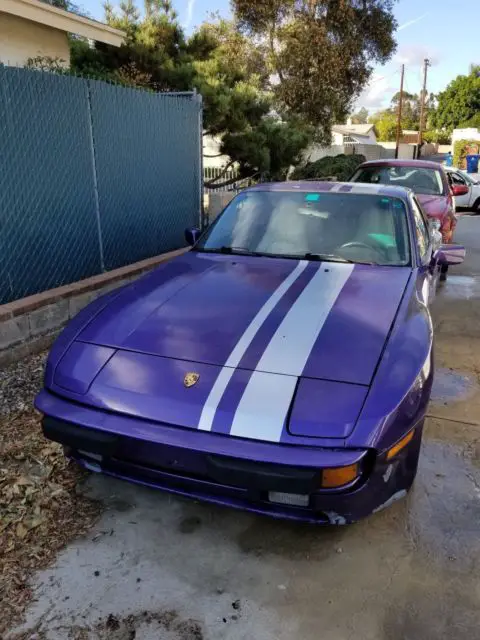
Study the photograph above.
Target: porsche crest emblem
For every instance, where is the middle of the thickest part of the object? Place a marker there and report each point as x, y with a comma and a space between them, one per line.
190, 379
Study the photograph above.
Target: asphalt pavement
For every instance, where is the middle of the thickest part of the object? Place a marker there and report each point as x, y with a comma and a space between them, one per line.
162, 567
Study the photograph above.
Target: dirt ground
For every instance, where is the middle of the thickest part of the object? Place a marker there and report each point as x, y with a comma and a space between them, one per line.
159, 567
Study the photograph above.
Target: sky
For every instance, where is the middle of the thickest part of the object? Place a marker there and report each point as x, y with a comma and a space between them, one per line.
444, 31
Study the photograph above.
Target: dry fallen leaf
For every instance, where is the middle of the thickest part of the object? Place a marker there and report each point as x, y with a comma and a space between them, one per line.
20, 530
40, 510
23, 481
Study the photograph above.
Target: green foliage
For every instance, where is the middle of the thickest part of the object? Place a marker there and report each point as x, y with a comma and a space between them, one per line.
273, 79
47, 63
66, 5
411, 107
459, 104
460, 152
320, 53
386, 125
361, 117
230, 75
341, 167
439, 137
473, 122
268, 149
155, 55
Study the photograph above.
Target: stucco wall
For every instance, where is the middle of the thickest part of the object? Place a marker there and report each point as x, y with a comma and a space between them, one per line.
22, 39
465, 134
211, 147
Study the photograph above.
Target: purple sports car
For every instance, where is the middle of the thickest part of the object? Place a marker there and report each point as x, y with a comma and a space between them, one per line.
283, 365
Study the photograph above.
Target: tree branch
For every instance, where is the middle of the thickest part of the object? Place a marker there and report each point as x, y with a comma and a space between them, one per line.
274, 53
211, 183
226, 183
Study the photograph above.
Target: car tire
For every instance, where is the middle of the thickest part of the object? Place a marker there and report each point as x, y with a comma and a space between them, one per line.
476, 206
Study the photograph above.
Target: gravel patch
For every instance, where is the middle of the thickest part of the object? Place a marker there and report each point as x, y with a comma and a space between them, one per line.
19, 382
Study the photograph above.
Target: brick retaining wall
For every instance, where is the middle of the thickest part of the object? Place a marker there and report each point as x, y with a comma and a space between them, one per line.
30, 324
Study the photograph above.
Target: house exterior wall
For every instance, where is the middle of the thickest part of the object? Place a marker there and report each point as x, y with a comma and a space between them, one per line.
337, 138
363, 138
22, 39
465, 134
211, 147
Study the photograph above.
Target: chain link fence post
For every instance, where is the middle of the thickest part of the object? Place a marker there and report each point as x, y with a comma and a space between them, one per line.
94, 173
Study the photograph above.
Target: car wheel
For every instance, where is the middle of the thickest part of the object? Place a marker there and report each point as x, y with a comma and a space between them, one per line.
476, 206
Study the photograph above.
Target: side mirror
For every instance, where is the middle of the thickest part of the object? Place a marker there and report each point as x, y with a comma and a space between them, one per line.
192, 235
460, 189
450, 254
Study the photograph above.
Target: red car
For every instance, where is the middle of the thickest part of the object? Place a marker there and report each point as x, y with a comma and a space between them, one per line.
427, 180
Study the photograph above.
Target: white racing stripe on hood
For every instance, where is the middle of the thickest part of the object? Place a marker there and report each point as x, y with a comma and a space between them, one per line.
264, 405
218, 389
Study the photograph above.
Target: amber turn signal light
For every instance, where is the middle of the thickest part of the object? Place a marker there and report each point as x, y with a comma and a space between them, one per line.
400, 445
339, 476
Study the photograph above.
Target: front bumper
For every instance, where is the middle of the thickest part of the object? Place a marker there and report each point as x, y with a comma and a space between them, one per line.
224, 470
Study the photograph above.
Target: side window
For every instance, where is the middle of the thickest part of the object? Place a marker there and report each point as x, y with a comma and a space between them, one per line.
422, 233
456, 178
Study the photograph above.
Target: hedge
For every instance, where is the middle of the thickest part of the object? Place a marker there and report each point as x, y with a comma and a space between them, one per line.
461, 150
341, 167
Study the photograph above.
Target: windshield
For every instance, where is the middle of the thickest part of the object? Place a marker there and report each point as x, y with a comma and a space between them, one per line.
419, 179
345, 227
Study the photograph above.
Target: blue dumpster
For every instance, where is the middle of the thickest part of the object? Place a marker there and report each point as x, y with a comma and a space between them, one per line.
472, 163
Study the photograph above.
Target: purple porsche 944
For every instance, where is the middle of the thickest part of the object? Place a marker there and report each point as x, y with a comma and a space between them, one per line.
283, 365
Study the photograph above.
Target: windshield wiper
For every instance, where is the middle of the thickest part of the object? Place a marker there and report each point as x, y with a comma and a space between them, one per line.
326, 257
331, 257
231, 251
317, 257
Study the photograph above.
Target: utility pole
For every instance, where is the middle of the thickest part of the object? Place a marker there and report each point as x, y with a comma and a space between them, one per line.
422, 101
399, 116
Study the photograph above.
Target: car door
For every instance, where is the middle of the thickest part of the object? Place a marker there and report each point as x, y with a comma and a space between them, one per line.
426, 242
456, 178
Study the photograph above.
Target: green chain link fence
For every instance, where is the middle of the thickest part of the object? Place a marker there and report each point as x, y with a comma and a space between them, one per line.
92, 177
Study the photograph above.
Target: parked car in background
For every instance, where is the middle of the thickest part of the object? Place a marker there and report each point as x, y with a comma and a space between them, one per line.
429, 182
284, 365
471, 199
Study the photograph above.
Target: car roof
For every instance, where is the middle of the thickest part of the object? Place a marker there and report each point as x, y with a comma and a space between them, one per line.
421, 164
307, 186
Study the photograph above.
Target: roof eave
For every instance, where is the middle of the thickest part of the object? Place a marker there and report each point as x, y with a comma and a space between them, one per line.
45, 14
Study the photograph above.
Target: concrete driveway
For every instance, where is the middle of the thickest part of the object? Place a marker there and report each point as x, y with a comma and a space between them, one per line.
158, 567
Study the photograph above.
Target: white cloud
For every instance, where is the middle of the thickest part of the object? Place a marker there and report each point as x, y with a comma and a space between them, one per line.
414, 54
378, 93
189, 13
411, 22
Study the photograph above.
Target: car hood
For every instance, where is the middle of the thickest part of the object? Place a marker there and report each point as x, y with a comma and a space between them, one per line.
434, 206
324, 321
